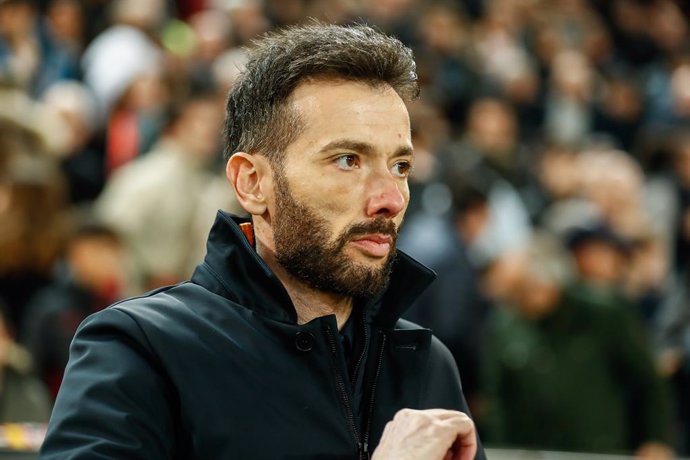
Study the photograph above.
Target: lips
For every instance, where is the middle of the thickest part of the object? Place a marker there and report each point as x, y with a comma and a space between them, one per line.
375, 245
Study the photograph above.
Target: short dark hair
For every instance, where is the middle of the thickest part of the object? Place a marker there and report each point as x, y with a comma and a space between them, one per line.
259, 117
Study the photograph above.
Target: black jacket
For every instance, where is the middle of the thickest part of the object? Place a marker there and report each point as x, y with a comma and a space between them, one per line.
217, 368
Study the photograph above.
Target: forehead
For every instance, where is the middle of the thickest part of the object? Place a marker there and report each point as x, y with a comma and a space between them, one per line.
331, 109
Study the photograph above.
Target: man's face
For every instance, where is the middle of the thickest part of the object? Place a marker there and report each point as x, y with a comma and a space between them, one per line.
341, 190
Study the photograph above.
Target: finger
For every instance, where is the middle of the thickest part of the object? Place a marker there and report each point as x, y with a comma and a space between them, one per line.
465, 444
468, 448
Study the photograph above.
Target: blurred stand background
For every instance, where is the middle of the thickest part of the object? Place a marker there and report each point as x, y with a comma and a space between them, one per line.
551, 191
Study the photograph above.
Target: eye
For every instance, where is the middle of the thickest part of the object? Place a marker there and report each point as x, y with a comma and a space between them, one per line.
346, 162
402, 168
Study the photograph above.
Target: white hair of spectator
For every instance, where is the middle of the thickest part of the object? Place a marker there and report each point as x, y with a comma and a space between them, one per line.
114, 59
546, 260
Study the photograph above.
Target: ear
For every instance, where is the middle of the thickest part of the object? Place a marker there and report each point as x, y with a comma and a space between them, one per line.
250, 175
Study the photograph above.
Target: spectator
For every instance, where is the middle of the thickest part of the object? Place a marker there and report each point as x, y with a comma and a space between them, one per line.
30, 57
601, 258
454, 306
32, 198
156, 201
490, 148
124, 50
531, 96
91, 277
562, 367
83, 162
23, 398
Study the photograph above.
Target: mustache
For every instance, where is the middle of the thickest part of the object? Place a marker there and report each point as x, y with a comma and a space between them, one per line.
380, 225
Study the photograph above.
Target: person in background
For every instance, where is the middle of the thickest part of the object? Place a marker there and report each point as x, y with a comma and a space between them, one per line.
454, 306
155, 204
91, 276
601, 257
83, 161
32, 199
31, 57
23, 397
491, 148
569, 371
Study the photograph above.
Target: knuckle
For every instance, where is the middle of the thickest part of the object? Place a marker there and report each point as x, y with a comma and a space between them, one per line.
403, 413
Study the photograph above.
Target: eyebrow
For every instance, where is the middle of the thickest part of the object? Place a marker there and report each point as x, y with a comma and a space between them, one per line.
363, 147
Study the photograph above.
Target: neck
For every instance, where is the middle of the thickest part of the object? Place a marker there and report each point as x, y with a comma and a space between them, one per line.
309, 303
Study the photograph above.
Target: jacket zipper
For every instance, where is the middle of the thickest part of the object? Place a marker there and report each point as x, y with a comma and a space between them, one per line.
344, 397
372, 397
365, 349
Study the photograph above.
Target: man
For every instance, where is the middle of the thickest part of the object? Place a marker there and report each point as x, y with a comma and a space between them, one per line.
91, 276
569, 369
286, 342
153, 200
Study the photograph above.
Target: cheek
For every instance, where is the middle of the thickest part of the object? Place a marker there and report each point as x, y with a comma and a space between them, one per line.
331, 197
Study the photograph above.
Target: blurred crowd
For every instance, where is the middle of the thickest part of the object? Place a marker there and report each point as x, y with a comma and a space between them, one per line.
551, 192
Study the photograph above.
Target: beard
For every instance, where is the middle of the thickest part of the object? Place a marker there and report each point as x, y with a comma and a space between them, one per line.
305, 249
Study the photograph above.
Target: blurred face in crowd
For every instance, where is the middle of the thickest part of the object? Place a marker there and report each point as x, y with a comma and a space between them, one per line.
66, 20
558, 173
611, 180
622, 100
492, 126
572, 75
443, 29
340, 191
600, 262
198, 127
98, 263
16, 19
536, 298
212, 32
500, 279
514, 283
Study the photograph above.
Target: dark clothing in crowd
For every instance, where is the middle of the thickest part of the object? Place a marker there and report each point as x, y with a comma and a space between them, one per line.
453, 307
16, 290
581, 372
52, 318
218, 368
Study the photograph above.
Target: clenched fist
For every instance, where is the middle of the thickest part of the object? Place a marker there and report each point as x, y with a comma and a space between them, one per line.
432, 434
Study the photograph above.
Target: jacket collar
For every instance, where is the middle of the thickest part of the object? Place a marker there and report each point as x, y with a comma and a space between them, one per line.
233, 269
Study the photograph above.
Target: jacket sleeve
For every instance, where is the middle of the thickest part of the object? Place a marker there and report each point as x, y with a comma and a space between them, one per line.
114, 402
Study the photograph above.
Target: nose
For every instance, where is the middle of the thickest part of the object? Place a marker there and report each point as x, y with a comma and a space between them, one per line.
387, 197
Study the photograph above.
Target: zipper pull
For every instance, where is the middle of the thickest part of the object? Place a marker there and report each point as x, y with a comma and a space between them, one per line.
363, 450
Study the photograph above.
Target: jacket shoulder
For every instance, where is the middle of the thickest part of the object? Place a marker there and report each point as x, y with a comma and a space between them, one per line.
437, 350
440, 367
403, 324
159, 309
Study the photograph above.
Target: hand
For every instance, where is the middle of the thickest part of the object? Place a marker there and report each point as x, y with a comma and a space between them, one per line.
432, 434
654, 451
